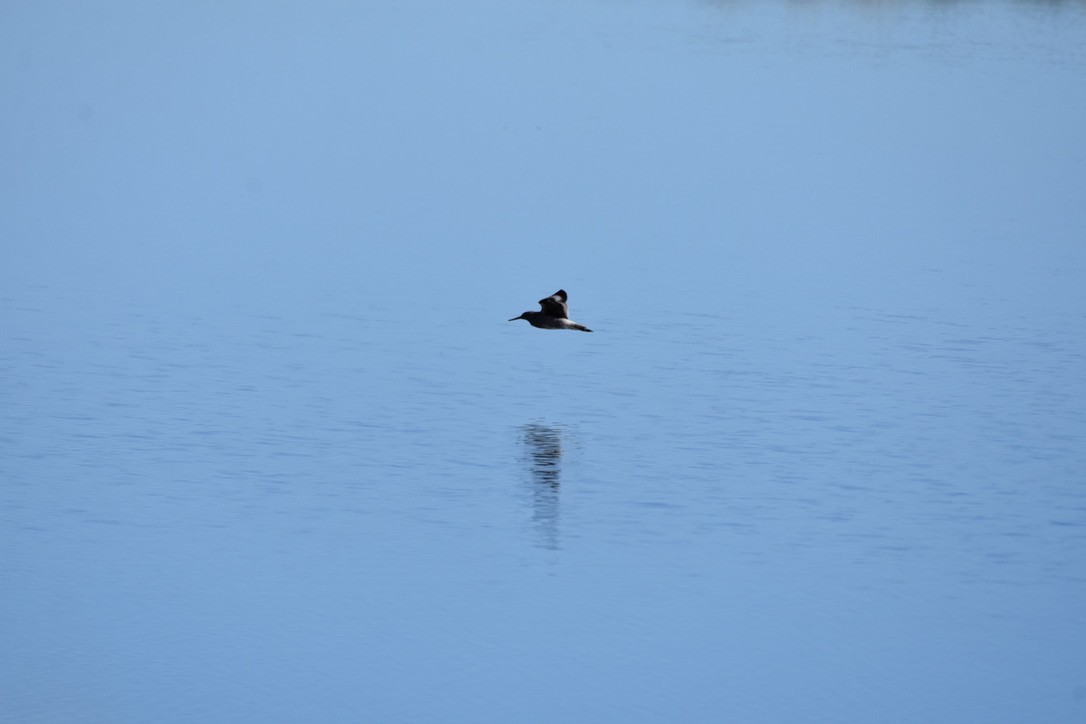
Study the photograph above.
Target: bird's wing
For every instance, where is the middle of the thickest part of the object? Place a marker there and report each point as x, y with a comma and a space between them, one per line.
555, 305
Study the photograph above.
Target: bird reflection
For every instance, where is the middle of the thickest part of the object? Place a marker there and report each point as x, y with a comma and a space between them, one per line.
545, 465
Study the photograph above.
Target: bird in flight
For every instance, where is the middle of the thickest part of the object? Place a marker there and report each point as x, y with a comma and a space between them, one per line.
554, 314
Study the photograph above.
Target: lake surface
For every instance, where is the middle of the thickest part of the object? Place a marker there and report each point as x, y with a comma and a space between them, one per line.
270, 452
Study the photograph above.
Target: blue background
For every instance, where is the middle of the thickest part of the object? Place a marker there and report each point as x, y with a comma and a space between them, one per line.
270, 452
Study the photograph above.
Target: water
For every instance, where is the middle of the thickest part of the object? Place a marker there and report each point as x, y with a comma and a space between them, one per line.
271, 452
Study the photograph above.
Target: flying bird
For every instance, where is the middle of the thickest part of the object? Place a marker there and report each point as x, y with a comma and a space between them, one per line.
554, 314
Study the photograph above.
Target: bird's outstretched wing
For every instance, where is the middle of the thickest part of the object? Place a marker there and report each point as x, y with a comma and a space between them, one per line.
555, 305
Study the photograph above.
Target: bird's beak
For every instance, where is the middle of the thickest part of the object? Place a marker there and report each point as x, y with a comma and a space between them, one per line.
514, 319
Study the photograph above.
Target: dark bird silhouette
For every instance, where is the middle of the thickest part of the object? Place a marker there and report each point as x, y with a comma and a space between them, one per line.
554, 314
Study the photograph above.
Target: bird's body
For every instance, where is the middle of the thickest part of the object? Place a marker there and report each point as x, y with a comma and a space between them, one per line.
546, 321
553, 314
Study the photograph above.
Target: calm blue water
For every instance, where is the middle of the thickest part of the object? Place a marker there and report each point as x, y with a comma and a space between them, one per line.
270, 452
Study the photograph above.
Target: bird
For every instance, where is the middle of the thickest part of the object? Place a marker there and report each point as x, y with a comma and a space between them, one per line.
554, 314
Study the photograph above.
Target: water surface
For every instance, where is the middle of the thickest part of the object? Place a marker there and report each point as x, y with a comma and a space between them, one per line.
269, 450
